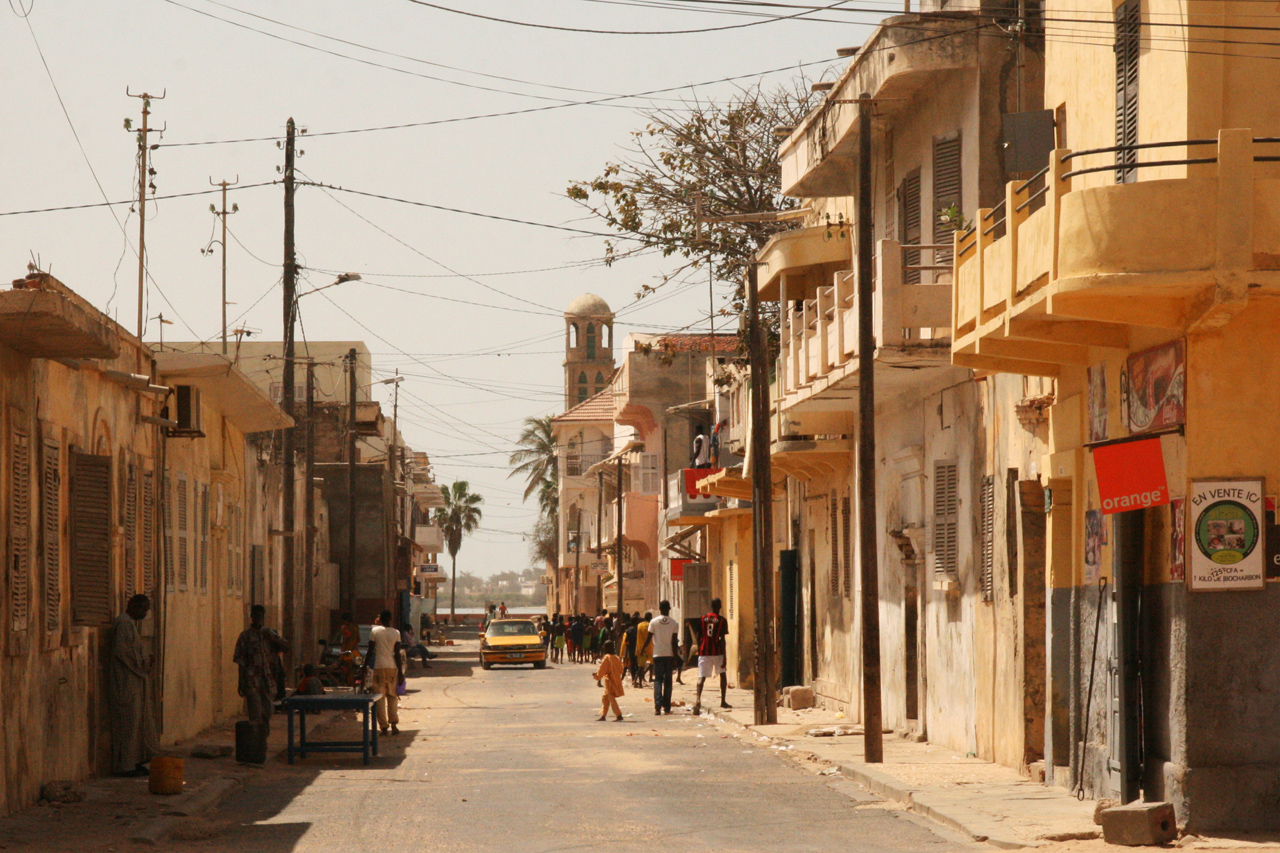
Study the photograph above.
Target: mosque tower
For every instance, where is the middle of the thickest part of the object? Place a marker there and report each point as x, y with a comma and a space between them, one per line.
588, 348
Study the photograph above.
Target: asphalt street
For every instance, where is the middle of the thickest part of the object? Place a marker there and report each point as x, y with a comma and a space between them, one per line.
513, 760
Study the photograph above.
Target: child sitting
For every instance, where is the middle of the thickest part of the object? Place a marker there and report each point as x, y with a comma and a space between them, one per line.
310, 685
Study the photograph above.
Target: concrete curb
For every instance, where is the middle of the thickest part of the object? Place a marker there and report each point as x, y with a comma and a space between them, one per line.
200, 802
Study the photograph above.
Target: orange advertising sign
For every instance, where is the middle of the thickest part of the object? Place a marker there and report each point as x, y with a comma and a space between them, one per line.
1131, 475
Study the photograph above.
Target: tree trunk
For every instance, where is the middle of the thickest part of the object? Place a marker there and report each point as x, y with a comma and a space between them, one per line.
453, 589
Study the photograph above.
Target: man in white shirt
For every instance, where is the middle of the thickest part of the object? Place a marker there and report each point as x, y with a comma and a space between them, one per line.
664, 632
700, 457
388, 671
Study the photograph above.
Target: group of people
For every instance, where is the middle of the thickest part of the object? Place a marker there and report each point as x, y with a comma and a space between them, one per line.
640, 648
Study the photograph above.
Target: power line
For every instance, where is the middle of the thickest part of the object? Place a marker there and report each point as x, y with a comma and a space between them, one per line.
131, 201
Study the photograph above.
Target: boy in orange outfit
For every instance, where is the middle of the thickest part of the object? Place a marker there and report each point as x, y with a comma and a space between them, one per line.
611, 672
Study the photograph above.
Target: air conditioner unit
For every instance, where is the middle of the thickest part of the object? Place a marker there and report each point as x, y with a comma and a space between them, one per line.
186, 405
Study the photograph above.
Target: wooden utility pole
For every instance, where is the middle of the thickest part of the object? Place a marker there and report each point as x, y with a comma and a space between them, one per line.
222, 214
599, 533
290, 276
617, 546
873, 751
577, 565
309, 510
349, 578
765, 698
144, 182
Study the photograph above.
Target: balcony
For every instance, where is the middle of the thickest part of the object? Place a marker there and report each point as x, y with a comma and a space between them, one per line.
911, 307
1037, 286
429, 538
688, 504
39, 321
576, 464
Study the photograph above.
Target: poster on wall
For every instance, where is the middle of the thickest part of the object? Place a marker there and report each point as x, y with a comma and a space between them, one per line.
1272, 536
1177, 539
1095, 536
1098, 402
1153, 386
1225, 547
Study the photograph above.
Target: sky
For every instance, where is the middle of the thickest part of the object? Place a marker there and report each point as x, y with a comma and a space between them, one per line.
468, 308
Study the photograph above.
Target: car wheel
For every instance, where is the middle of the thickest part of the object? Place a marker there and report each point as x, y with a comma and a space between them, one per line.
539, 664
484, 664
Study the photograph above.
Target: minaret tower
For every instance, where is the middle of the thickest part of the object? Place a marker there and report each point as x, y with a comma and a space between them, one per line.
588, 348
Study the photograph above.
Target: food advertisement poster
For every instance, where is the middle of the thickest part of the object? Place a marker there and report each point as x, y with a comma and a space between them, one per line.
1225, 538
1154, 387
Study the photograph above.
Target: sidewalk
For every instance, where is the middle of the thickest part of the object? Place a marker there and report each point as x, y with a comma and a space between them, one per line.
986, 801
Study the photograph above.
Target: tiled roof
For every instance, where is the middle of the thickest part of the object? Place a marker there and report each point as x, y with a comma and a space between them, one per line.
699, 343
597, 408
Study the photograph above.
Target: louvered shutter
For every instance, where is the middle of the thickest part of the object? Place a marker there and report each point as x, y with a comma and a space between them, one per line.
166, 512
946, 508
130, 530
909, 224
946, 191
149, 532
51, 533
988, 516
183, 529
846, 521
834, 527
90, 517
19, 532
1128, 39
204, 539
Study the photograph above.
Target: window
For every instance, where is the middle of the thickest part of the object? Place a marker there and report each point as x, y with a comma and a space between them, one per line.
149, 532
909, 224
846, 521
166, 500
1128, 38
733, 589
591, 340
946, 511
649, 478
573, 335
834, 530
946, 191
51, 533
599, 380
582, 387
183, 530
90, 529
203, 565
19, 530
130, 502
988, 522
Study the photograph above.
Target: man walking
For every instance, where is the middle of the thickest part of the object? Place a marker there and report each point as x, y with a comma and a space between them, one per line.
711, 654
663, 633
256, 648
388, 671
133, 739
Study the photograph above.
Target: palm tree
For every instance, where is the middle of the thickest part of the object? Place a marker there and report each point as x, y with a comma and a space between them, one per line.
536, 460
459, 516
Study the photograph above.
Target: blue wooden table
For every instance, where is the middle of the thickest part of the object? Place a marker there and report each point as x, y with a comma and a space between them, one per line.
303, 705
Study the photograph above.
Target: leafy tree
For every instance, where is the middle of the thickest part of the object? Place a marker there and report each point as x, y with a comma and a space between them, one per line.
704, 159
544, 542
459, 516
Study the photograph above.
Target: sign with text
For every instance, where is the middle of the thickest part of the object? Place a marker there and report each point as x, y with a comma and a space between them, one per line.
677, 569
1131, 475
1225, 547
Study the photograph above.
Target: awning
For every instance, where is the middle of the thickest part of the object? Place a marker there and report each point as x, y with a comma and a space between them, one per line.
627, 453
428, 496
727, 483
237, 398
1130, 475
805, 459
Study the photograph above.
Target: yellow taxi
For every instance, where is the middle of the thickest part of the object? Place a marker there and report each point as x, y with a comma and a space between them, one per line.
512, 641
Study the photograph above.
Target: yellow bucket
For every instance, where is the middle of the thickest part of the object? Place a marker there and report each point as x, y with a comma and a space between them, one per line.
166, 775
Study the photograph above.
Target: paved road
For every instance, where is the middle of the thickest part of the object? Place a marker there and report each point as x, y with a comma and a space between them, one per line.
513, 760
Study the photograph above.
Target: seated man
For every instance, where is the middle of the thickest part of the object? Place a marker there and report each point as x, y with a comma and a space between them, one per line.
414, 648
310, 685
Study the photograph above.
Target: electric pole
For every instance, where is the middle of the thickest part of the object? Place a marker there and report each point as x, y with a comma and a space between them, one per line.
765, 700
287, 391
349, 577
145, 174
599, 534
873, 750
577, 565
618, 544
222, 214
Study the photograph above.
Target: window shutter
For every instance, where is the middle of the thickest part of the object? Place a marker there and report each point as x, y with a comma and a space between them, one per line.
183, 517
90, 517
909, 224
946, 508
166, 509
19, 531
204, 539
846, 521
130, 530
149, 532
946, 191
51, 533
1128, 39
988, 508
733, 589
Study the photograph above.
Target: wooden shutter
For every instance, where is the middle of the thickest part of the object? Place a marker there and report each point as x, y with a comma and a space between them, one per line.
90, 517
183, 529
909, 224
19, 532
204, 539
987, 500
834, 527
149, 532
1128, 39
166, 511
733, 589
130, 530
51, 533
257, 574
946, 508
846, 521
946, 191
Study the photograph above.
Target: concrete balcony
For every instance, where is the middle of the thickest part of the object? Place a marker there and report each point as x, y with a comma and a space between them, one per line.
429, 537
689, 505
818, 364
1036, 288
42, 322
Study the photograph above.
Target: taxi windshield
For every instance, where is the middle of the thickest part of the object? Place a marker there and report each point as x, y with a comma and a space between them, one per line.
512, 629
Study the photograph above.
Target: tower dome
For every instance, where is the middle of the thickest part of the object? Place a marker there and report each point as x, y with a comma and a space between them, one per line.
588, 305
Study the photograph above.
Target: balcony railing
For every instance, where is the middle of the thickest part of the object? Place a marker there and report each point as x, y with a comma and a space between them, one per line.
576, 464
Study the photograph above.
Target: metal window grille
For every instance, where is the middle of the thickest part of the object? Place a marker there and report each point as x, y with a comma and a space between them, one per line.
834, 528
19, 530
988, 517
1128, 39
90, 529
51, 533
946, 510
846, 521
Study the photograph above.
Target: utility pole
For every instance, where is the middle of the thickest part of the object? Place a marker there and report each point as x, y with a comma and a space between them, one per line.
286, 391
618, 544
577, 564
349, 579
145, 173
599, 532
873, 750
765, 700
309, 510
222, 214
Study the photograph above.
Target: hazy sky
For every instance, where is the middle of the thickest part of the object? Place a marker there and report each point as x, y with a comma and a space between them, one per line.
239, 69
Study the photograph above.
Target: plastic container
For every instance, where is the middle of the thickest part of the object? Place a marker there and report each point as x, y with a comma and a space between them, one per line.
166, 775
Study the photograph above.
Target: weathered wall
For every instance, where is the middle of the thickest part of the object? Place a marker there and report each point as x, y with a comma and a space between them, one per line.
373, 583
